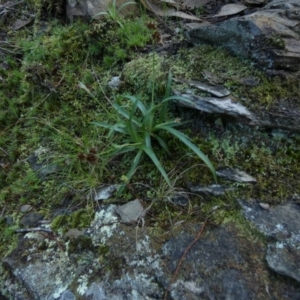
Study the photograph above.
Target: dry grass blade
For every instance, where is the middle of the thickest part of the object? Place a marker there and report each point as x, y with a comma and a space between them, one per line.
230, 9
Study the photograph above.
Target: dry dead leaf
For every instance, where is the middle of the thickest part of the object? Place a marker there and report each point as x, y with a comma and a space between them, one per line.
21, 23
160, 9
170, 2
230, 9
194, 3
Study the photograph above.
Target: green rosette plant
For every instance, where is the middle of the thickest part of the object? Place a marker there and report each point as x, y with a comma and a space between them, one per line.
143, 123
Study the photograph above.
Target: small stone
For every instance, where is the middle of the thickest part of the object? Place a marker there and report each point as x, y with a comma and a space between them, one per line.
73, 233
105, 192
25, 208
265, 206
67, 295
9, 220
179, 198
130, 212
235, 175
115, 83
213, 189
31, 219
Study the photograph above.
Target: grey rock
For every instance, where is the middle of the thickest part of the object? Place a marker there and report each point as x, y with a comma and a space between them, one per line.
31, 219
115, 83
25, 208
9, 220
67, 295
216, 90
231, 284
282, 4
278, 222
45, 275
208, 253
214, 189
179, 198
284, 258
95, 292
131, 211
269, 37
73, 233
136, 266
234, 174
42, 168
105, 192
281, 222
226, 106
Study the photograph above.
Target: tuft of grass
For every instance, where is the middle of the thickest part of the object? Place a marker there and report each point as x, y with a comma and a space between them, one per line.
142, 124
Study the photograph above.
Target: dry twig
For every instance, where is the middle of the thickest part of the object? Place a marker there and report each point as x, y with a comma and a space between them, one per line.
184, 255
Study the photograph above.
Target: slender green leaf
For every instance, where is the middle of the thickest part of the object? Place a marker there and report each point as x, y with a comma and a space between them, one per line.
132, 170
149, 118
125, 113
161, 142
171, 123
120, 151
148, 140
119, 127
125, 4
121, 110
140, 104
135, 163
100, 13
127, 145
132, 130
168, 88
157, 163
164, 105
182, 137
104, 125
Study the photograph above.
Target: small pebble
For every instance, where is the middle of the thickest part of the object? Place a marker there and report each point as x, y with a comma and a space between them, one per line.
25, 208
265, 206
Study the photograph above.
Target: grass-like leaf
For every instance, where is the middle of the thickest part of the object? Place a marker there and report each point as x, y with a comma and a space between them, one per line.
144, 122
157, 163
183, 138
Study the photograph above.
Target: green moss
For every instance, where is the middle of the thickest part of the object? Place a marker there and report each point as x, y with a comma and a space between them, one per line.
79, 219
80, 244
276, 41
145, 73
136, 33
103, 251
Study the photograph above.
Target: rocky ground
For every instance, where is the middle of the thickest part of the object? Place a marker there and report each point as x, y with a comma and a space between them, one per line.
67, 234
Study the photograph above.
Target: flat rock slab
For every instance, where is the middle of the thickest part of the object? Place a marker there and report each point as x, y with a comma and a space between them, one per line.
278, 222
284, 258
226, 106
213, 189
128, 262
234, 175
281, 222
131, 211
